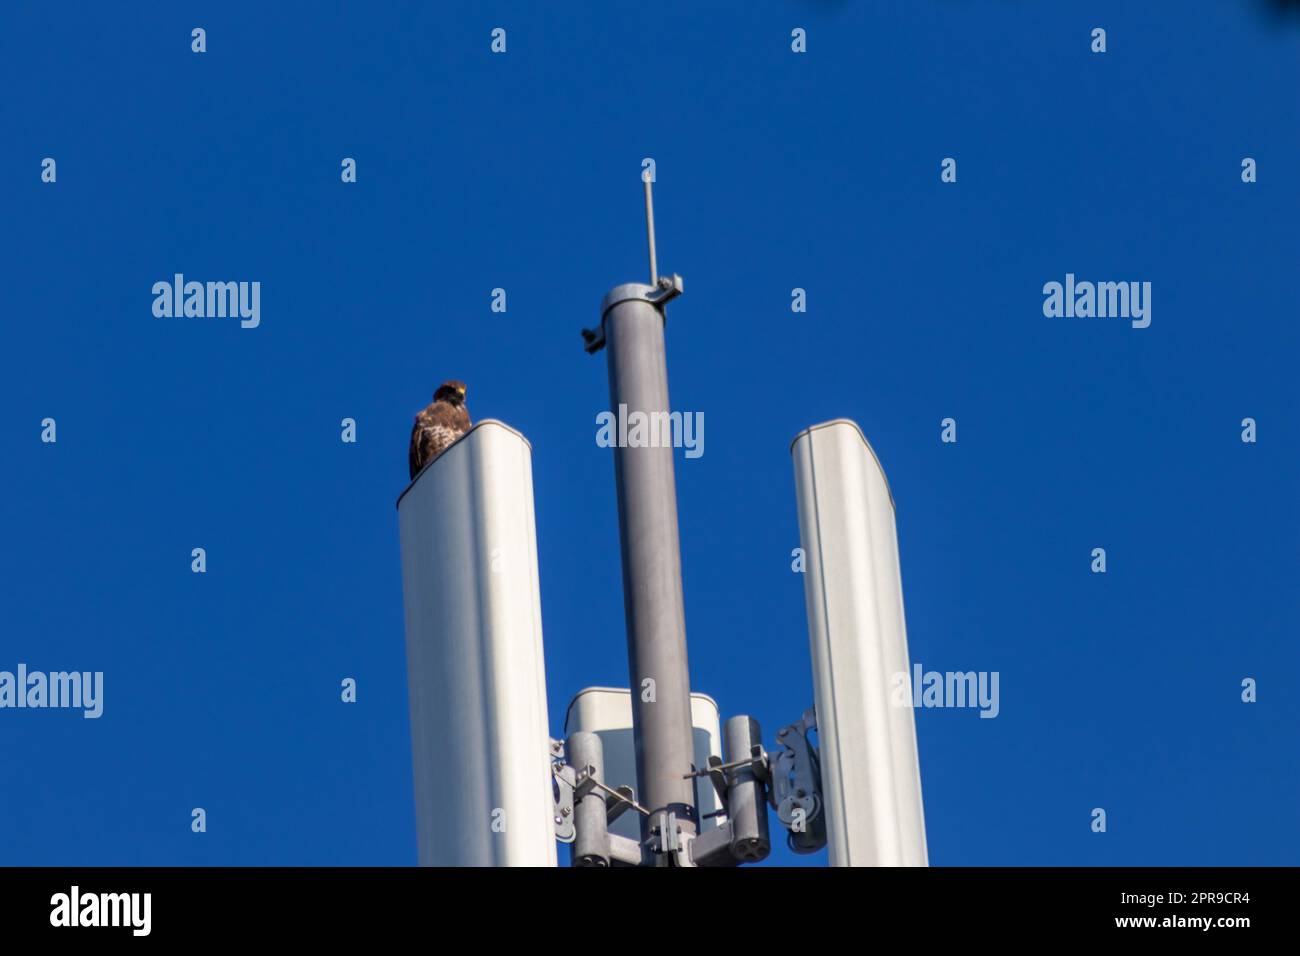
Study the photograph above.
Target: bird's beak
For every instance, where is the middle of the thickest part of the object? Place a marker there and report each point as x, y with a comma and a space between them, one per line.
462, 392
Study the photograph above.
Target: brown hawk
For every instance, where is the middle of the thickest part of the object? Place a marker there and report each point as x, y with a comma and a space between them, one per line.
445, 420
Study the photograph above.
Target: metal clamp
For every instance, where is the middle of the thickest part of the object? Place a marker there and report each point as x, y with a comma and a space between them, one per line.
664, 290
796, 786
562, 785
716, 771
667, 839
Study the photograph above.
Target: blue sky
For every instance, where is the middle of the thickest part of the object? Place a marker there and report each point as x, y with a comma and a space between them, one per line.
775, 171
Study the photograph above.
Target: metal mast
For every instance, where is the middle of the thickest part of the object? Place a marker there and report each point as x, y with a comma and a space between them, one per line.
632, 328
868, 806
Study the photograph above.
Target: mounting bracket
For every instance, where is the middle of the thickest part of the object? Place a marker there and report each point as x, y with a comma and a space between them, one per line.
796, 786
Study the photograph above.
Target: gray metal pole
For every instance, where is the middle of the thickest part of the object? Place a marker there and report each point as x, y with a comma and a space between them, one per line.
746, 799
652, 576
591, 840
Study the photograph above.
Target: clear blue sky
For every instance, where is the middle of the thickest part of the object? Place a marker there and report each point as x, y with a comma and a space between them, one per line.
775, 170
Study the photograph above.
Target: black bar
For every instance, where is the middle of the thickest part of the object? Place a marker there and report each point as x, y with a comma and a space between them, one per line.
435, 908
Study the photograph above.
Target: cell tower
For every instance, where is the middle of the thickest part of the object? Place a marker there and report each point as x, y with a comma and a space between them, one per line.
493, 788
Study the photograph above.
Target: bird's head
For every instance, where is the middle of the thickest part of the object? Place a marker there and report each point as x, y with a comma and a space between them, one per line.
451, 391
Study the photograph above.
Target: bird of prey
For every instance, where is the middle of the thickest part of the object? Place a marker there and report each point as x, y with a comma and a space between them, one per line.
440, 424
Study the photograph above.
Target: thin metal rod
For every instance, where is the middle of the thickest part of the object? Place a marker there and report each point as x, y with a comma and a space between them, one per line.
650, 229
612, 792
742, 762
622, 799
